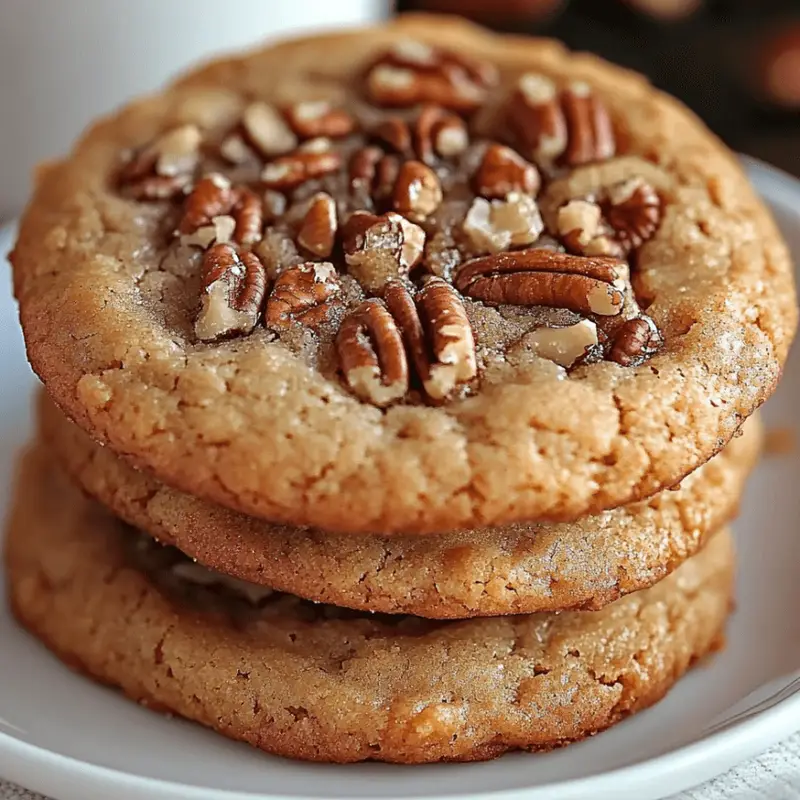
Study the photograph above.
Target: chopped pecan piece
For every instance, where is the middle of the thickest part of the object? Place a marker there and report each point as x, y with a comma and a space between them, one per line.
502, 171
303, 294
214, 197
164, 168
293, 170
233, 292
381, 248
572, 126
314, 118
371, 354
564, 345
437, 131
493, 226
413, 72
615, 222
417, 191
541, 277
437, 334
318, 229
635, 340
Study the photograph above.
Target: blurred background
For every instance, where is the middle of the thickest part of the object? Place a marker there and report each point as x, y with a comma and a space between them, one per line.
736, 62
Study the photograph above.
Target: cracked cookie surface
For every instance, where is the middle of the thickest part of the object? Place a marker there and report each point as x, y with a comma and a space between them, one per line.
315, 682
515, 569
272, 427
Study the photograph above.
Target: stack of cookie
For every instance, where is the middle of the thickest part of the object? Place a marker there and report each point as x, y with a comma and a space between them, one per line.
396, 385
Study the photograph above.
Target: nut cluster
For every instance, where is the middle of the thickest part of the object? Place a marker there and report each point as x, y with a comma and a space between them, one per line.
380, 341
413, 72
322, 187
569, 126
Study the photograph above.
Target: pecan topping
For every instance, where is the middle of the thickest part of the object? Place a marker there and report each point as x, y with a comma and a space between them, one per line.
371, 354
565, 345
616, 222
500, 224
164, 168
383, 185
266, 131
395, 132
591, 137
437, 334
437, 131
318, 229
381, 248
413, 72
541, 277
573, 126
233, 292
362, 167
635, 340
315, 118
212, 198
417, 191
503, 171
535, 118
302, 294
290, 171
633, 210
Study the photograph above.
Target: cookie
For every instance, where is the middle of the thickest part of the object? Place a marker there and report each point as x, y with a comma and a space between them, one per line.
511, 570
314, 682
407, 279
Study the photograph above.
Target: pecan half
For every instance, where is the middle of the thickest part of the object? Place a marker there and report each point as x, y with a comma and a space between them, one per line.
635, 340
293, 170
535, 119
591, 136
615, 222
371, 354
493, 226
303, 294
541, 277
633, 210
214, 197
233, 292
317, 231
417, 191
437, 333
502, 171
164, 168
572, 126
438, 132
413, 72
381, 248
314, 118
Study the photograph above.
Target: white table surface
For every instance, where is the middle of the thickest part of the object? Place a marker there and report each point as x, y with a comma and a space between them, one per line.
774, 775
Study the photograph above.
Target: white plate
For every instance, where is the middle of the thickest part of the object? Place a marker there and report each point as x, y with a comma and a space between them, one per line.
65, 737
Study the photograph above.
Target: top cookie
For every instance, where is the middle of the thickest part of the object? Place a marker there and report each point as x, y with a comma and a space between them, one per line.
405, 280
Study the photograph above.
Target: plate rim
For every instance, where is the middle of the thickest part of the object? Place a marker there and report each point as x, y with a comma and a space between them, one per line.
700, 758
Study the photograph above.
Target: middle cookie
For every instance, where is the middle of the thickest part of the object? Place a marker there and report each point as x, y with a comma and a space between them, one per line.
514, 569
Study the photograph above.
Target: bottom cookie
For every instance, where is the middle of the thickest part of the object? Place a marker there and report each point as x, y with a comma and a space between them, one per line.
317, 682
